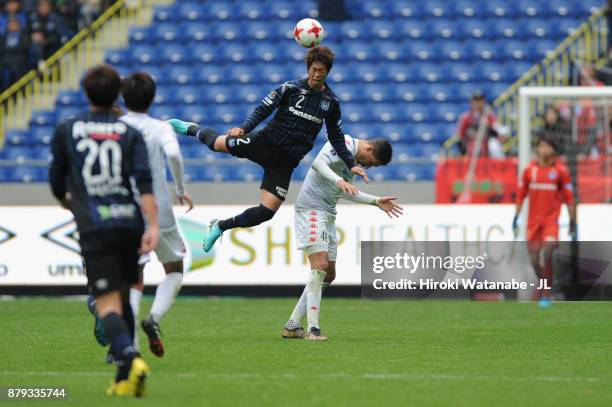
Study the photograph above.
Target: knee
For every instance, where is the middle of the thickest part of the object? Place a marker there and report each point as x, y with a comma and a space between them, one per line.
264, 213
330, 276
320, 264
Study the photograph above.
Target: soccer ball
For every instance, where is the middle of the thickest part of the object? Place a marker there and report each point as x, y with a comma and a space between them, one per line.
308, 32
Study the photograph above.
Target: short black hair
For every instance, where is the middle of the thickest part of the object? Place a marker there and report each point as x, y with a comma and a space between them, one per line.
321, 54
383, 152
138, 91
548, 139
102, 85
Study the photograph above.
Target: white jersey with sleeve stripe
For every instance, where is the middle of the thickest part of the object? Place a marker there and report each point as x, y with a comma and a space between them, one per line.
319, 193
156, 134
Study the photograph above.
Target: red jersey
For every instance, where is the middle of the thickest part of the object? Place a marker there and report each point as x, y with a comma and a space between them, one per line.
468, 129
548, 188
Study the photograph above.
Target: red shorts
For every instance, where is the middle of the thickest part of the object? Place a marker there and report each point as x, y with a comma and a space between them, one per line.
543, 232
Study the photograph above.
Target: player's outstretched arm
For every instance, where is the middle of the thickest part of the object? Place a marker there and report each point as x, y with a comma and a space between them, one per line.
321, 165
172, 151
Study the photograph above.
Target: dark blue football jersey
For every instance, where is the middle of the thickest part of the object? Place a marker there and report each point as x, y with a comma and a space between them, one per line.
95, 158
300, 113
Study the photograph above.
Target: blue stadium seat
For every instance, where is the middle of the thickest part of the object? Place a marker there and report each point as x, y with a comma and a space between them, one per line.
531, 8
251, 94
389, 51
140, 34
507, 28
431, 73
240, 73
267, 52
212, 74
171, 54
415, 29
353, 30
416, 113
42, 153
567, 26
44, 118
162, 14
204, 52
443, 28
167, 32
418, 50
182, 75
342, 73
484, 50
408, 93
41, 134
355, 113
462, 73
467, 8
436, 8
381, 30
543, 47
516, 50
259, 30
143, 54
540, 28
407, 9
475, 29
118, 56
500, 8
453, 50
196, 32
220, 10
227, 31
275, 74
27, 174
19, 153
17, 137
71, 98
252, 10
190, 11
166, 112
234, 53
387, 112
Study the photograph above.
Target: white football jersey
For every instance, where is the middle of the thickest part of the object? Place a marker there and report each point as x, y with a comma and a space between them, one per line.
156, 134
320, 193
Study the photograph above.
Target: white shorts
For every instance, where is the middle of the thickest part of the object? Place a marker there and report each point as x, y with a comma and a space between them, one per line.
170, 247
316, 232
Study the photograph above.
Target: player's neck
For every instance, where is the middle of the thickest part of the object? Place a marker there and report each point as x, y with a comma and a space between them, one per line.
101, 109
313, 87
545, 162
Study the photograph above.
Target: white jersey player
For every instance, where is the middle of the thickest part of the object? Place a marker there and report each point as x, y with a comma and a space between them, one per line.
138, 91
315, 214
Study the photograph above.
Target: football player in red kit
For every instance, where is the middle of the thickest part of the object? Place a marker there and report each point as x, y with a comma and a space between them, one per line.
548, 184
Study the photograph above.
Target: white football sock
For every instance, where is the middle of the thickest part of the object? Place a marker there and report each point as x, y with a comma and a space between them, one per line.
165, 294
295, 321
135, 297
314, 288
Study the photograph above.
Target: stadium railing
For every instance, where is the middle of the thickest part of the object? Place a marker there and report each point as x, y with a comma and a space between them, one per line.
38, 88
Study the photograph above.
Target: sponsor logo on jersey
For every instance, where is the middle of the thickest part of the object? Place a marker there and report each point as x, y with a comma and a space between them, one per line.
231, 143
324, 105
552, 175
101, 284
303, 91
282, 192
305, 115
116, 211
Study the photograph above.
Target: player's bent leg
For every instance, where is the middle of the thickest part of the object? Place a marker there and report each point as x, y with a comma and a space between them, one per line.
251, 217
206, 136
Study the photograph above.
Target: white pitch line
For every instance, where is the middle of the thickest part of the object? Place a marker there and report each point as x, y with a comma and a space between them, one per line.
369, 376
95, 374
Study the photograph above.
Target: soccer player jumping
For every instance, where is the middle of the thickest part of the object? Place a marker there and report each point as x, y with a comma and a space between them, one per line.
301, 107
95, 157
548, 183
315, 216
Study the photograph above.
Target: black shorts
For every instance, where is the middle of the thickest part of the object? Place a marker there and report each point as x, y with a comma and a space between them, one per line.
254, 146
111, 259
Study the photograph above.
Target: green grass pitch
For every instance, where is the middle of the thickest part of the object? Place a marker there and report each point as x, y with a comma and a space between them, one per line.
229, 352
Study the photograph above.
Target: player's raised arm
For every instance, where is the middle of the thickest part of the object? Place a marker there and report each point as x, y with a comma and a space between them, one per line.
172, 151
58, 169
260, 113
336, 137
322, 165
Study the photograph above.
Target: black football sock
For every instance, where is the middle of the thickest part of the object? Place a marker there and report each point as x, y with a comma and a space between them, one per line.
120, 338
128, 317
207, 136
251, 217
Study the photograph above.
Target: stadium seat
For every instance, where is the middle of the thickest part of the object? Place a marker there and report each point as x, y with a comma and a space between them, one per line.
445, 29
182, 75
407, 9
252, 10
27, 174
43, 118
196, 32
500, 8
166, 32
